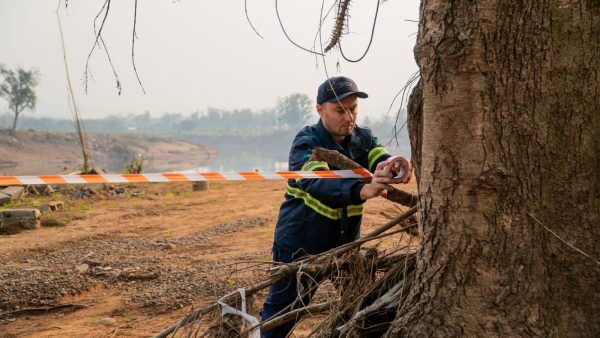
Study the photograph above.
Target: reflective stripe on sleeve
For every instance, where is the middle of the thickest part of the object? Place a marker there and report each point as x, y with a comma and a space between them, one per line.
320, 208
374, 155
312, 165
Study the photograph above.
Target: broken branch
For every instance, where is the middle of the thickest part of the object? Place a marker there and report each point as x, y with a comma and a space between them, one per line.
338, 160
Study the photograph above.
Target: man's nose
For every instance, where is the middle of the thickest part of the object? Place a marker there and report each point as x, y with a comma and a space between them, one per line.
349, 116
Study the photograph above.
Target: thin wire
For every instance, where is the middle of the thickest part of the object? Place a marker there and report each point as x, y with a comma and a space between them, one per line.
405, 90
325, 64
133, 38
401, 90
79, 126
564, 241
321, 21
98, 38
370, 40
248, 19
286, 34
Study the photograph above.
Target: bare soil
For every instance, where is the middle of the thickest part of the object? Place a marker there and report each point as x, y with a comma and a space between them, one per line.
140, 258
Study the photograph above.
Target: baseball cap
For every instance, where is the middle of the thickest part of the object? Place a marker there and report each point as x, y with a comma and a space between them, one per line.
337, 88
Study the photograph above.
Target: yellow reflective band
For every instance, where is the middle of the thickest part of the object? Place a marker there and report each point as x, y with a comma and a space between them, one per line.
313, 203
355, 210
375, 154
312, 165
320, 208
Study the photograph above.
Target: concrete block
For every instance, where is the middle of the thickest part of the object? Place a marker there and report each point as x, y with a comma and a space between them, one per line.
4, 198
57, 205
51, 206
26, 218
15, 192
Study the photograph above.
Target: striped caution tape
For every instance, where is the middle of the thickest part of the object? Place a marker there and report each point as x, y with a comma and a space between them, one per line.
180, 177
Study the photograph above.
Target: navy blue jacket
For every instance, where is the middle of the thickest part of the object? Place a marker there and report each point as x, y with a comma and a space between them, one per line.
320, 214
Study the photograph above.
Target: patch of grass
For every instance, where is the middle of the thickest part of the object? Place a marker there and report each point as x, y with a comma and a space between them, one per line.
26, 201
85, 207
127, 319
168, 234
264, 232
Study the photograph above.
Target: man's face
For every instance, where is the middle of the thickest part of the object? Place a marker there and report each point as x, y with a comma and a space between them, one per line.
339, 119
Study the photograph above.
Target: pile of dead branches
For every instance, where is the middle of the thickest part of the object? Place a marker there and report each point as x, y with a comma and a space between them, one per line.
370, 284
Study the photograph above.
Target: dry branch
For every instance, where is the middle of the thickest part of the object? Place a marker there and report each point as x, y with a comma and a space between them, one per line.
319, 266
338, 160
295, 314
322, 264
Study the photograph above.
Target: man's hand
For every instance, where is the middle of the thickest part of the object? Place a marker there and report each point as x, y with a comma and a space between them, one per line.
384, 176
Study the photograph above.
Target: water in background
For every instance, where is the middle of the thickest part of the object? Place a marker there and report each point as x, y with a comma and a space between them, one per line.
240, 158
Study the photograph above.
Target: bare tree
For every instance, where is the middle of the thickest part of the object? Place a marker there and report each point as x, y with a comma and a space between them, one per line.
17, 88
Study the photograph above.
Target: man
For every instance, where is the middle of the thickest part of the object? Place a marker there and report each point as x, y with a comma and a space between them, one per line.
320, 214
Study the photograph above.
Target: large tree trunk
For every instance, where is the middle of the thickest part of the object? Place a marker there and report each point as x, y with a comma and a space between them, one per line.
508, 135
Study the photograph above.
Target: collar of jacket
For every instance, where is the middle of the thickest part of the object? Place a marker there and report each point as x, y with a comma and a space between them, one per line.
350, 142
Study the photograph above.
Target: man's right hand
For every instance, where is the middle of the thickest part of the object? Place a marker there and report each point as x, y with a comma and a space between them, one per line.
380, 183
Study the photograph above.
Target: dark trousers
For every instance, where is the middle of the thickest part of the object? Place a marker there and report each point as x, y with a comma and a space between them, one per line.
286, 295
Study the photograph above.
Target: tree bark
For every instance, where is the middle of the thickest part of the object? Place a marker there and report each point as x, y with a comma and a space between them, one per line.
16, 113
508, 133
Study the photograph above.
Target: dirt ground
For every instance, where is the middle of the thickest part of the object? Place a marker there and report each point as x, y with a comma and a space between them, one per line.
133, 261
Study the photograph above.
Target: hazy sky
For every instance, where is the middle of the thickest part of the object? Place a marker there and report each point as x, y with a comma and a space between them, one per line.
193, 54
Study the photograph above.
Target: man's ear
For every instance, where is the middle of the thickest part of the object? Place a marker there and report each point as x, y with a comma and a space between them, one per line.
319, 109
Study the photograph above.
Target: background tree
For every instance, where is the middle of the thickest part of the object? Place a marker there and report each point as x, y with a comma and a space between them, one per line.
17, 88
505, 134
293, 111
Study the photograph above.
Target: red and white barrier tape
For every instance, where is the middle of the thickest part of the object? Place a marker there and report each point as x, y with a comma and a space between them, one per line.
180, 177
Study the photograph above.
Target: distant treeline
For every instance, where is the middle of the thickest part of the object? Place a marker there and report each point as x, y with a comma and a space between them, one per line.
215, 126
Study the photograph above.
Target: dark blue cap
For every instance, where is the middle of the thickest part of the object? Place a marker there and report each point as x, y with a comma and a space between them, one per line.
338, 88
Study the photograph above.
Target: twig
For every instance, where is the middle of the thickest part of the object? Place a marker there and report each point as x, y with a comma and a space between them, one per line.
338, 160
97, 39
133, 38
393, 222
285, 271
295, 314
370, 40
286, 34
321, 21
339, 24
386, 299
248, 19
564, 241
114, 332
